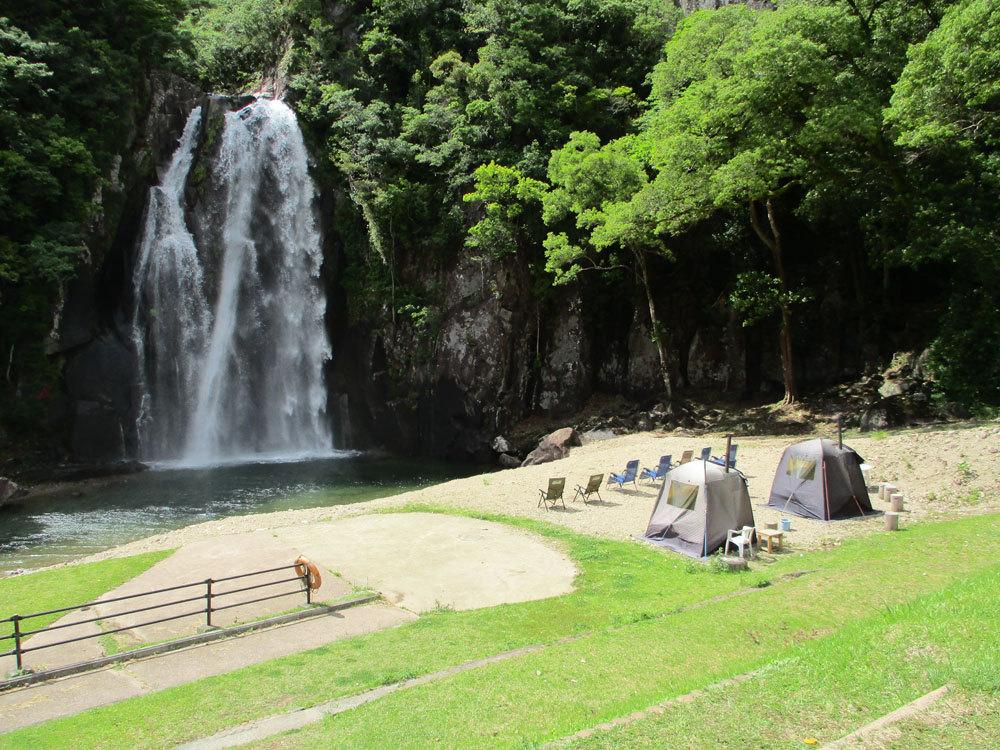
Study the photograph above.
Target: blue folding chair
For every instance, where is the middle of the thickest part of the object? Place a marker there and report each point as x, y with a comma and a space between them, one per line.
659, 472
706, 453
721, 460
631, 469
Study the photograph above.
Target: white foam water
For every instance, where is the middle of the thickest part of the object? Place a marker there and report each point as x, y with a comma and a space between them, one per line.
229, 329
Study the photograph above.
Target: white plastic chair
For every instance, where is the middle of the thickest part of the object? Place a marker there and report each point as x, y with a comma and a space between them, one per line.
741, 538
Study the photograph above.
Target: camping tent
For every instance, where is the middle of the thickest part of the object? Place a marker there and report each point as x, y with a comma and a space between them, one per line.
820, 479
698, 503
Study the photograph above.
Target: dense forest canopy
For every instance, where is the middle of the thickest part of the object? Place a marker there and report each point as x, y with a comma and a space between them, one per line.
602, 141
71, 79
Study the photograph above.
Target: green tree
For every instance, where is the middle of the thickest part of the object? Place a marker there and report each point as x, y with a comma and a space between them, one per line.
505, 195
599, 197
232, 42
949, 92
436, 89
71, 82
946, 108
748, 108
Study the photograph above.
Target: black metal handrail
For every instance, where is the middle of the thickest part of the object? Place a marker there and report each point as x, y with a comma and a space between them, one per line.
209, 597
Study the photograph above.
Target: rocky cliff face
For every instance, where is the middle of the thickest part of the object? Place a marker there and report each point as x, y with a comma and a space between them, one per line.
444, 381
493, 355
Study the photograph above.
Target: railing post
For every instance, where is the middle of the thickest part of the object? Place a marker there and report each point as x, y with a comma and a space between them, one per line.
18, 635
208, 602
16, 619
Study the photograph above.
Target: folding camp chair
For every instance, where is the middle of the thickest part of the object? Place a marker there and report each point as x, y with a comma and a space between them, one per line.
686, 456
631, 469
706, 453
659, 472
553, 493
593, 488
721, 460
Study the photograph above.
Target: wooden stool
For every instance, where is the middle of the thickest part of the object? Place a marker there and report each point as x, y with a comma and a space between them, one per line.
770, 536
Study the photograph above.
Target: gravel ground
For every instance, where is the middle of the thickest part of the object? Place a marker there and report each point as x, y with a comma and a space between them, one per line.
944, 472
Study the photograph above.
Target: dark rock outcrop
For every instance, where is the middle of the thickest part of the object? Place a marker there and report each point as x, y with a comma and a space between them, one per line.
903, 397
508, 461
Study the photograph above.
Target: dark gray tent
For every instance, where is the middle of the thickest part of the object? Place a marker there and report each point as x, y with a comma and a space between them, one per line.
698, 503
820, 479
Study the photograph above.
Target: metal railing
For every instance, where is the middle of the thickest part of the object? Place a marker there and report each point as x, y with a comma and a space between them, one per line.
209, 597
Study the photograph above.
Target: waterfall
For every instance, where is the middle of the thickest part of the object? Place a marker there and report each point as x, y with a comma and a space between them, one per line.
228, 323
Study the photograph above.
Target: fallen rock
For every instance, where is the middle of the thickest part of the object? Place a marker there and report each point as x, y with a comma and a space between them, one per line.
508, 461
553, 446
7, 489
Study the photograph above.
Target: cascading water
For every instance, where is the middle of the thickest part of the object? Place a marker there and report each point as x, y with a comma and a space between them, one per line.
228, 323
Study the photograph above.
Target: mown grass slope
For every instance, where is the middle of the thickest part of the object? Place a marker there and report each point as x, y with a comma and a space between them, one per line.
866, 627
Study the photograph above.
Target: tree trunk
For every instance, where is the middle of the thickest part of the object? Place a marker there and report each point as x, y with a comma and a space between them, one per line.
654, 322
773, 241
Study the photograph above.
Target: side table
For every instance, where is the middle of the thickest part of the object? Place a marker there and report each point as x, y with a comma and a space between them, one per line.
770, 536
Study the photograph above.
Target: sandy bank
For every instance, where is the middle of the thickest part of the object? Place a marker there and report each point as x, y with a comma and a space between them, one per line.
944, 473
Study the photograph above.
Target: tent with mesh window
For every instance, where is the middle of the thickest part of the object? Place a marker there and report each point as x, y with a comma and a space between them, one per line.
820, 479
698, 503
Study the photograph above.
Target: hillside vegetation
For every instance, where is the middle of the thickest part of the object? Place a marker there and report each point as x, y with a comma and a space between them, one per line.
831, 163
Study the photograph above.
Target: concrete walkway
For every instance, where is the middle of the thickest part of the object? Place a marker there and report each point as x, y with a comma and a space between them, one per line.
421, 560
34, 704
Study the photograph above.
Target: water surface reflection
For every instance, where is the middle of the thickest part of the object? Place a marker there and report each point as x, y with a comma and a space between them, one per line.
92, 516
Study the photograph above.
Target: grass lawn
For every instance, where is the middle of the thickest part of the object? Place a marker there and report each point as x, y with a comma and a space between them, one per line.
66, 586
826, 688
652, 627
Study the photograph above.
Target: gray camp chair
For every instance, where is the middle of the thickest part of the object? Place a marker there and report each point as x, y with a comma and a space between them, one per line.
593, 488
553, 493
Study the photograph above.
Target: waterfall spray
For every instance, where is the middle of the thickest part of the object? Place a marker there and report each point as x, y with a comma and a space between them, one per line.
228, 323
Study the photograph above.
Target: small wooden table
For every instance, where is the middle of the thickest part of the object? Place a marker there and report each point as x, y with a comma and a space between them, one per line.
771, 536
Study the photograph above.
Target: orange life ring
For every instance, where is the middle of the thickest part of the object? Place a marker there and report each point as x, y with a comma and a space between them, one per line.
309, 571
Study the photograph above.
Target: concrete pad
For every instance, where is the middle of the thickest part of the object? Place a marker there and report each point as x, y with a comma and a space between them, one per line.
423, 560
212, 558
416, 560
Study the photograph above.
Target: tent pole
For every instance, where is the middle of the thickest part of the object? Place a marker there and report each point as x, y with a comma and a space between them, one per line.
663, 488
792, 494
826, 490
840, 432
729, 446
703, 493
